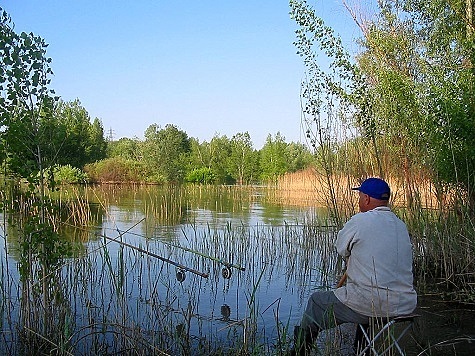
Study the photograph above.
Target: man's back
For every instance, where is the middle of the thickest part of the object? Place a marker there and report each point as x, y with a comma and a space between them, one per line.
380, 280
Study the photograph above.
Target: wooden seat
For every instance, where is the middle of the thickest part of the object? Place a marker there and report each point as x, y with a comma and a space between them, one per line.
368, 335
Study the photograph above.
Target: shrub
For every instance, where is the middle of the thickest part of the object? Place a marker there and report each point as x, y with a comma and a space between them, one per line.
156, 178
68, 175
117, 169
201, 176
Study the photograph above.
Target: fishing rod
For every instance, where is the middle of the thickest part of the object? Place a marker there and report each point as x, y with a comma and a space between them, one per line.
71, 261
180, 274
226, 264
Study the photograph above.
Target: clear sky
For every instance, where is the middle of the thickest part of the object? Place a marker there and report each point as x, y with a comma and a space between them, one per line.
208, 67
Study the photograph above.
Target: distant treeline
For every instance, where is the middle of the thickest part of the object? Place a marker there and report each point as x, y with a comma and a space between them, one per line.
168, 154
73, 149
42, 136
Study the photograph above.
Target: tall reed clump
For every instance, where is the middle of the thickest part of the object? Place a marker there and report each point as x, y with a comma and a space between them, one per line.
32, 220
437, 214
389, 112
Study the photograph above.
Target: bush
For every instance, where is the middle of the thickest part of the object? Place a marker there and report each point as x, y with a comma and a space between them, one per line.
201, 176
68, 175
117, 170
155, 178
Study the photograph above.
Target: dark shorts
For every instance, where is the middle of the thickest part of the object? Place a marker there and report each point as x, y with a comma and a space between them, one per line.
325, 311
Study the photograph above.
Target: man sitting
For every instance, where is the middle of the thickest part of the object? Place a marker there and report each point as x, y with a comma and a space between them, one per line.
379, 279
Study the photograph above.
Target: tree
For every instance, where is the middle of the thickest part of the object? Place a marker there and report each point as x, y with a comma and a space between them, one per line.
274, 160
447, 86
243, 161
409, 91
331, 95
299, 156
212, 157
126, 148
418, 62
72, 138
167, 150
220, 151
97, 147
24, 97
199, 154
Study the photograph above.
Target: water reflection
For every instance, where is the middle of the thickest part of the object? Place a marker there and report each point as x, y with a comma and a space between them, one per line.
263, 259
219, 230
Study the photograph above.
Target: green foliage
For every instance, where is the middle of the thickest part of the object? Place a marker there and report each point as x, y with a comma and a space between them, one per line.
274, 161
120, 170
24, 97
72, 138
220, 151
166, 151
278, 157
333, 92
126, 148
411, 87
299, 157
200, 153
68, 175
243, 160
419, 58
215, 156
201, 176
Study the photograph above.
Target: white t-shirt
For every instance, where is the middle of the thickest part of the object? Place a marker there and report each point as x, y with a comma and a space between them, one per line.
380, 280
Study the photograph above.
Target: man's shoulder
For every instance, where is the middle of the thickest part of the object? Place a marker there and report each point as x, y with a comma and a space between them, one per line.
363, 215
378, 211
377, 214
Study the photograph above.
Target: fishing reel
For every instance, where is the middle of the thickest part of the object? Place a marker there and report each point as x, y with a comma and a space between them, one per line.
180, 275
226, 272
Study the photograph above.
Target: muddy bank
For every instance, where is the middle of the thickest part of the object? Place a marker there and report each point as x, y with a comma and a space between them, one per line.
444, 328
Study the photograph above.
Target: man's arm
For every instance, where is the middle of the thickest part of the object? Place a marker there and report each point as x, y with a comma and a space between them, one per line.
345, 275
342, 280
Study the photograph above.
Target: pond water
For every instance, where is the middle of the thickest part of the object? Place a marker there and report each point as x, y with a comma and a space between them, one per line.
196, 271
268, 282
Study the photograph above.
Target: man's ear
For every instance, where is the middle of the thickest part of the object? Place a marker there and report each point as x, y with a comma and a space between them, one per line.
367, 199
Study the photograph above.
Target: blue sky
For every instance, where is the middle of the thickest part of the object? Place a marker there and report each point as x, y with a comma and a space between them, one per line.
208, 67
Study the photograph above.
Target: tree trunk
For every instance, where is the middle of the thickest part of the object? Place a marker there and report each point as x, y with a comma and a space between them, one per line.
469, 10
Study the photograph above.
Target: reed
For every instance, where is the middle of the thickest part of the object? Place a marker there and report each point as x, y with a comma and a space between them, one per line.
438, 215
110, 297
117, 299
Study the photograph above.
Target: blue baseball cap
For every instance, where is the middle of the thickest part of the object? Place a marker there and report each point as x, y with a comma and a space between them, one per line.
376, 188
